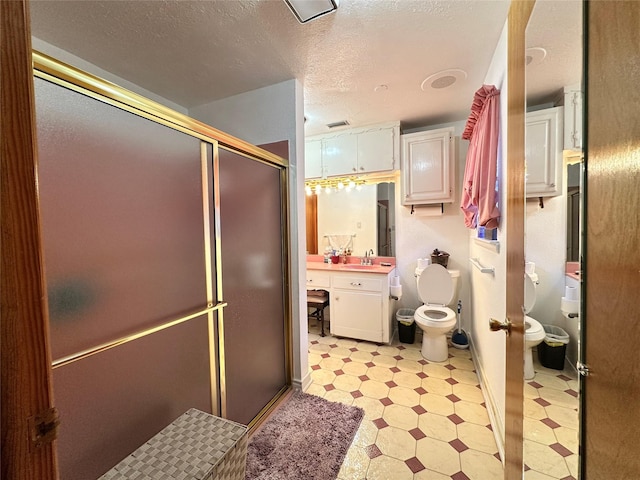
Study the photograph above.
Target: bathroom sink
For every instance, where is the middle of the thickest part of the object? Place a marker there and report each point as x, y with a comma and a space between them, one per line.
355, 266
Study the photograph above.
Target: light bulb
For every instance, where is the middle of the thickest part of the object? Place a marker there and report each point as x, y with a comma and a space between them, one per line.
318, 189
340, 185
352, 184
308, 190
359, 187
327, 189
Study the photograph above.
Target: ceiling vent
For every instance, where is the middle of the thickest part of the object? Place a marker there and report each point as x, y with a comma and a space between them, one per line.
342, 123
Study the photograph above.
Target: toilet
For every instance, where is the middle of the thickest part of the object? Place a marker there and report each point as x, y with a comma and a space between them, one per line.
534, 332
437, 288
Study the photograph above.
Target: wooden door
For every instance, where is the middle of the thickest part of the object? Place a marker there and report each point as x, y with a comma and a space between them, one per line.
25, 356
517, 21
611, 418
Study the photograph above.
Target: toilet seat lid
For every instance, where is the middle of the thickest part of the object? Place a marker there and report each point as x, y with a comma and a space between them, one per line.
435, 286
534, 326
529, 293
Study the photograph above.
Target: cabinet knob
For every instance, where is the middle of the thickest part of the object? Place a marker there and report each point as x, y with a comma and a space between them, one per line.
361, 168
356, 284
354, 169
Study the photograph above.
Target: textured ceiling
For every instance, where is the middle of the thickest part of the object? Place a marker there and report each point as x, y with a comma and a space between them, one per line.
194, 52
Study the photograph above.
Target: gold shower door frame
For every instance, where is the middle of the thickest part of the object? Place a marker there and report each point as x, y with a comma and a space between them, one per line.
76, 80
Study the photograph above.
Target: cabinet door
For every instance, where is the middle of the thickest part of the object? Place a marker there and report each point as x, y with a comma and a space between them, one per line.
543, 152
356, 314
427, 167
313, 159
340, 154
375, 151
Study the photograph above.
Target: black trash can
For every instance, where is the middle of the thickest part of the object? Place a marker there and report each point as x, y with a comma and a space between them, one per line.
406, 325
552, 350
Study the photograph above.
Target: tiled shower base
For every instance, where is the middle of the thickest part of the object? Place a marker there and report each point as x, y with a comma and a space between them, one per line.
428, 421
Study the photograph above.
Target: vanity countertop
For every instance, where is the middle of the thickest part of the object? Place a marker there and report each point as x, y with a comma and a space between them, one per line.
352, 265
572, 270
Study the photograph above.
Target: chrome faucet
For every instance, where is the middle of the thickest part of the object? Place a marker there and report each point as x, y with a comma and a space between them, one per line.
367, 259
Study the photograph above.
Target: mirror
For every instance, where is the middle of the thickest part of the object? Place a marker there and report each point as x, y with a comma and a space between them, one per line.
552, 242
358, 219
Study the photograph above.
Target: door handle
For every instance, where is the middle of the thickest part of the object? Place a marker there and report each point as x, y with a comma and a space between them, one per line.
496, 325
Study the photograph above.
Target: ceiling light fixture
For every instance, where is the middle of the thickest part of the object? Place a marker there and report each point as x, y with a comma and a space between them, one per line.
307, 10
443, 79
535, 55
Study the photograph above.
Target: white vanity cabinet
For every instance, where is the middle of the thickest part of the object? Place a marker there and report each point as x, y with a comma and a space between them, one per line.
359, 303
428, 167
543, 152
313, 159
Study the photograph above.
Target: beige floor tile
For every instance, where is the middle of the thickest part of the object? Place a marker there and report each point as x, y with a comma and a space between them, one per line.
477, 437
328, 340
407, 379
396, 443
469, 393
567, 417
347, 383
384, 361
323, 377
409, 366
355, 464
367, 347
360, 356
436, 371
313, 337
530, 392
460, 352
317, 390
427, 474
551, 381
437, 386
437, 455
319, 348
436, 404
472, 412
387, 468
366, 434
355, 368
572, 464
331, 363
558, 397
544, 460
437, 426
567, 437
462, 363
373, 389
372, 408
535, 475
346, 342
411, 354
340, 352
534, 410
404, 396
400, 416
379, 374
464, 376
537, 431
339, 396
388, 350
314, 358
574, 385
481, 466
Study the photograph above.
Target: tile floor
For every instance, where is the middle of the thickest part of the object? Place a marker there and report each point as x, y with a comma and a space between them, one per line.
428, 421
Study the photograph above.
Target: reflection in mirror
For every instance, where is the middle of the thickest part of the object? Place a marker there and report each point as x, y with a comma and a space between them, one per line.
552, 233
358, 219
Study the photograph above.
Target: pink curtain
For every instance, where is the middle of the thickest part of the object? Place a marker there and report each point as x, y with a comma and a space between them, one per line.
478, 200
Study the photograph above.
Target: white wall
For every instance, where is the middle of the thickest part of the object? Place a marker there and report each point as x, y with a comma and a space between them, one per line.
77, 62
488, 295
348, 213
267, 115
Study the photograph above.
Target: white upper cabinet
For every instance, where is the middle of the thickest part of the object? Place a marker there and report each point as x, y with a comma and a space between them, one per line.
572, 118
428, 168
543, 152
356, 151
313, 159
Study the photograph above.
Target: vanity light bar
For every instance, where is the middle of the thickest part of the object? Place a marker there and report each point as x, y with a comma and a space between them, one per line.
330, 184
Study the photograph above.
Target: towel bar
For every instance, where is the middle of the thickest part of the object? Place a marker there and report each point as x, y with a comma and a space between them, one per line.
476, 263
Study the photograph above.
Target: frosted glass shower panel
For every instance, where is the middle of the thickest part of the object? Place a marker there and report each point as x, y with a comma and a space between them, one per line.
253, 284
112, 402
122, 215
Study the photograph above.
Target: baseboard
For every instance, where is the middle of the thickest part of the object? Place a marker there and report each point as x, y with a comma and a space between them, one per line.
303, 384
494, 418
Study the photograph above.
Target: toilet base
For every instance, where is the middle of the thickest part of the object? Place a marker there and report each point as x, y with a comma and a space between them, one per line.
435, 349
529, 372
